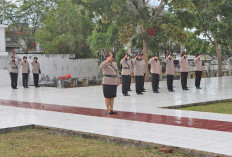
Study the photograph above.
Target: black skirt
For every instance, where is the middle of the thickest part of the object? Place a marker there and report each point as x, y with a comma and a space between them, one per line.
110, 91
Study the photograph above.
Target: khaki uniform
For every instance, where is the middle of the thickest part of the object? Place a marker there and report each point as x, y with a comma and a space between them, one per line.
126, 67
110, 72
25, 73
198, 71
25, 67
184, 69
170, 68
184, 66
36, 72
139, 75
35, 67
14, 73
198, 64
126, 75
138, 67
155, 72
14, 66
155, 66
170, 72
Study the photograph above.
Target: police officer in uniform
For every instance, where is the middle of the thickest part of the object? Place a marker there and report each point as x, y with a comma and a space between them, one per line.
144, 73
155, 72
170, 72
13, 72
184, 69
126, 74
36, 71
138, 73
110, 81
130, 63
25, 71
198, 70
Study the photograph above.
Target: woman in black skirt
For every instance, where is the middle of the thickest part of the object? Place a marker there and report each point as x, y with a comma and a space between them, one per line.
110, 81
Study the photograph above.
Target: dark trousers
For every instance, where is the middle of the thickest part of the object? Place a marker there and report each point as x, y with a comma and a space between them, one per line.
125, 83
143, 82
14, 80
198, 78
36, 80
130, 83
170, 82
139, 84
184, 78
155, 82
25, 79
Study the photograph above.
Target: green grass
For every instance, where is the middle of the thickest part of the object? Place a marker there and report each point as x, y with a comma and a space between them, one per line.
33, 143
225, 108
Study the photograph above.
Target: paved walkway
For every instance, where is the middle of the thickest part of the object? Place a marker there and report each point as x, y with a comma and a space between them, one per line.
139, 117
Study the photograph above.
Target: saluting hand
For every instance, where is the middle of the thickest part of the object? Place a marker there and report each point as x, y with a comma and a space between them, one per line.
118, 83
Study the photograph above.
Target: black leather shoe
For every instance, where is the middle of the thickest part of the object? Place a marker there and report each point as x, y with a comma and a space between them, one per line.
171, 90
155, 92
126, 95
113, 112
198, 87
110, 112
129, 90
185, 89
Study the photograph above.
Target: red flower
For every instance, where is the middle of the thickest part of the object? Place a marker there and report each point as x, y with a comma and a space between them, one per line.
151, 31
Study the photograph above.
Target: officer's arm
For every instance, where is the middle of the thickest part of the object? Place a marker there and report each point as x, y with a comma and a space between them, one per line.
150, 61
195, 60
10, 62
122, 60
165, 60
103, 65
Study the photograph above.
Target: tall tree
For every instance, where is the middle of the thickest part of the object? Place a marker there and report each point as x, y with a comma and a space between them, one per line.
65, 30
214, 19
24, 18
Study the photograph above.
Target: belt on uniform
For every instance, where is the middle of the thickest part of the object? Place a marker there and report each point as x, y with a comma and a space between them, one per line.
111, 76
125, 68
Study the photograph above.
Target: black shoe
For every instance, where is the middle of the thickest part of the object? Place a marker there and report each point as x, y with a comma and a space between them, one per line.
27, 87
171, 90
140, 93
37, 86
129, 90
198, 87
126, 95
155, 92
110, 112
113, 112
185, 89
24, 86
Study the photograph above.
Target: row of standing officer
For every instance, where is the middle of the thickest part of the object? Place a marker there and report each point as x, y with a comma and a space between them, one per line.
139, 72
14, 70
111, 79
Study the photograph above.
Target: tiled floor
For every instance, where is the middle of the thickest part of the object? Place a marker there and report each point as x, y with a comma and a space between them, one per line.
139, 117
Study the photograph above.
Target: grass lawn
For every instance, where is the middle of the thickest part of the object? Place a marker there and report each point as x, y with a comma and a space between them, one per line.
34, 142
225, 108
